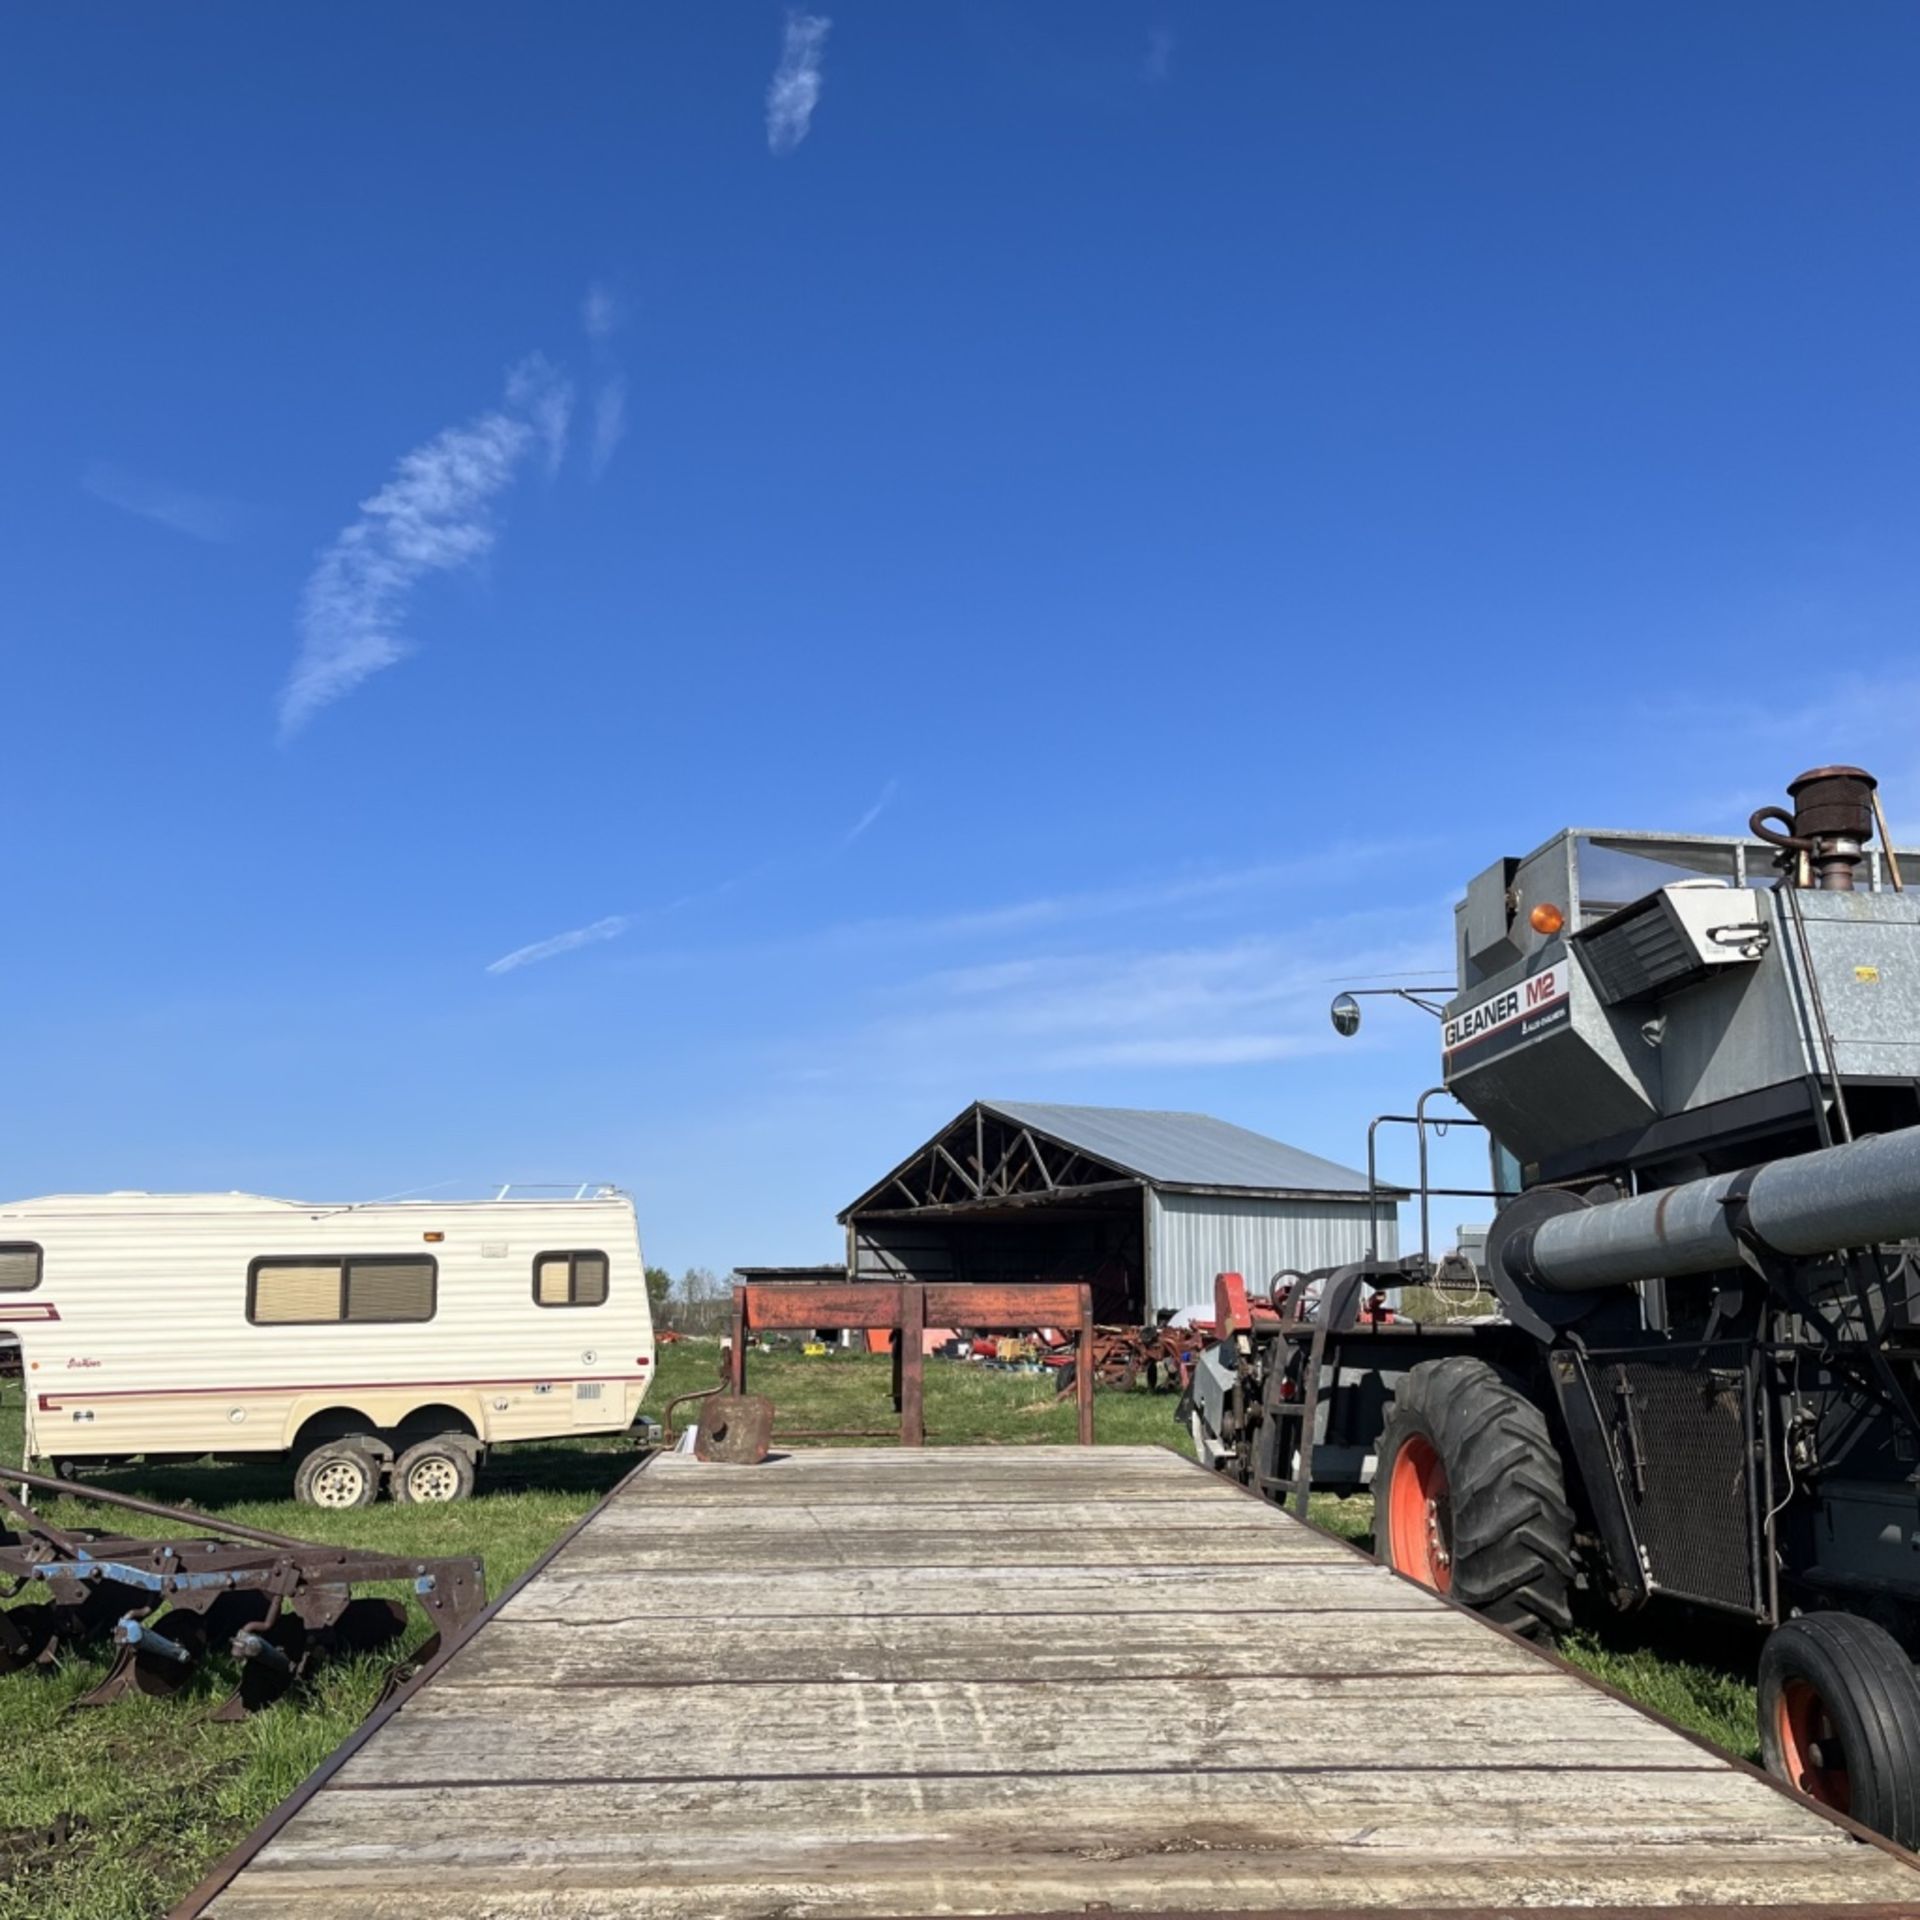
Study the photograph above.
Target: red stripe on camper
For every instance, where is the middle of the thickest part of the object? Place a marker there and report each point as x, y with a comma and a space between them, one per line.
49, 1401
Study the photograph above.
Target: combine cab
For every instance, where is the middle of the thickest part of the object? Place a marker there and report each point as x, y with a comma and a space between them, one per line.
1698, 1061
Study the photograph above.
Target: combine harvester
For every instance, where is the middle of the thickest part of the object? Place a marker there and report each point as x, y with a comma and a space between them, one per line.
1698, 1061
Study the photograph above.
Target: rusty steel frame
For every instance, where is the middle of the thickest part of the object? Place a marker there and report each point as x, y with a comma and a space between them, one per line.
908, 1308
228, 1588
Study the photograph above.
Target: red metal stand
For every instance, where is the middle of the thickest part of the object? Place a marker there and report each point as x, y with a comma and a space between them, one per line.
909, 1308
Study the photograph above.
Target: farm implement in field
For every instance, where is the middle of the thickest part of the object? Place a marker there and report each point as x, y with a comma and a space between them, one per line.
277, 1605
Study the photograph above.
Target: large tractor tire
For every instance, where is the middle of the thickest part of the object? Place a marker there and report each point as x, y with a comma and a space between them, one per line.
1839, 1710
1469, 1498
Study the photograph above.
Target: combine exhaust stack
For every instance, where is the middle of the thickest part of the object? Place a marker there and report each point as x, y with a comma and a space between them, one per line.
276, 1604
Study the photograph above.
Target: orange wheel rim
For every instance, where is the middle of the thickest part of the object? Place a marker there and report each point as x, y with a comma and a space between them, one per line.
1810, 1748
1420, 1515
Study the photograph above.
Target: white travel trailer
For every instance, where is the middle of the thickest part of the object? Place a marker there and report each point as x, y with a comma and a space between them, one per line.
394, 1341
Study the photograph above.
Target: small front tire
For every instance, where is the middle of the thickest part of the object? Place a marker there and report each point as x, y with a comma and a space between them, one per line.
432, 1472
340, 1475
1839, 1711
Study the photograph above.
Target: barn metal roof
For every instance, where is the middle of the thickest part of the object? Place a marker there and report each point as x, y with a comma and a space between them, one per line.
1183, 1149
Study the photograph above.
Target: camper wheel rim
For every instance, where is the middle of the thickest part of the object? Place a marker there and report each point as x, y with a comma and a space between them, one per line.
433, 1478
341, 1482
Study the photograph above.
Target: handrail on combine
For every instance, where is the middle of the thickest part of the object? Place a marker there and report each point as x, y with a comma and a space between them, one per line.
1420, 1120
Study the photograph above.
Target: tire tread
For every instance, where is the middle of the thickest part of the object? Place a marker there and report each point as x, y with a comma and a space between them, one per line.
1512, 1523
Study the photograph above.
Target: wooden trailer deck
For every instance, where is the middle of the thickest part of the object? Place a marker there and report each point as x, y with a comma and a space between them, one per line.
1013, 1681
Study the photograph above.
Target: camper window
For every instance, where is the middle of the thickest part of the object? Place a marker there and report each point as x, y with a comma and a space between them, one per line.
303, 1292
19, 1267
569, 1279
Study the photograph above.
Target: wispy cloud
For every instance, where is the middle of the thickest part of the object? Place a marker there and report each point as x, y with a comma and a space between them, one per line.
794, 91
1236, 1003
435, 515
873, 813
599, 312
611, 928
602, 317
1197, 895
609, 421
199, 515
1159, 57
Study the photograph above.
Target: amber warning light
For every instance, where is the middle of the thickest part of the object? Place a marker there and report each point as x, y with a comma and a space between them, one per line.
1546, 918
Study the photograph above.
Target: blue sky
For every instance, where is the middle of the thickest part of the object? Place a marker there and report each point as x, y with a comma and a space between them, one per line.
992, 549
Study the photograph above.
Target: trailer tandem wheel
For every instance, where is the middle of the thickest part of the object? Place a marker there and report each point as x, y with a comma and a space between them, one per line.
1469, 1498
430, 1471
341, 1473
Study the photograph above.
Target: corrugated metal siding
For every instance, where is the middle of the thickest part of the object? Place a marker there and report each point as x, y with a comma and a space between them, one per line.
1194, 1236
902, 1250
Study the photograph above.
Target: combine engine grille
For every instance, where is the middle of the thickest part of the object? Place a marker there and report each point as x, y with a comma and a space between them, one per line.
1682, 1436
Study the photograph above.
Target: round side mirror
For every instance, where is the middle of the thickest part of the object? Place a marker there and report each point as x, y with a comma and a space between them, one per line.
1345, 1012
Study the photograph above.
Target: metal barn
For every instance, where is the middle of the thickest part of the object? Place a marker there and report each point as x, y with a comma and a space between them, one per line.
1147, 1207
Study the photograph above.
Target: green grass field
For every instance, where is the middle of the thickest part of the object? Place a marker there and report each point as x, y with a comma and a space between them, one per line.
151, 1792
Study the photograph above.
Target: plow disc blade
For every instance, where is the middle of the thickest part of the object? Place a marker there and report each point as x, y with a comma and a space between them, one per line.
365, 1626
168, 1602
78, 1625
157, 1660
271, 1659
26, 1634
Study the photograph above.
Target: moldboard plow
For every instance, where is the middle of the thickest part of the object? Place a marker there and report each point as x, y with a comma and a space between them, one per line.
277, 1605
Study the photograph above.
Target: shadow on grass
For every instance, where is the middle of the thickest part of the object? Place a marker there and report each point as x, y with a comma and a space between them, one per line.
217, 1486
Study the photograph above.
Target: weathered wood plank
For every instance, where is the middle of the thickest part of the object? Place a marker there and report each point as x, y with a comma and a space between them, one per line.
535, 1649
781, 1553
613, 1591
1040, 1457
1175, 1481
580, 1733
747, 1850
865, 1490
1069, 1513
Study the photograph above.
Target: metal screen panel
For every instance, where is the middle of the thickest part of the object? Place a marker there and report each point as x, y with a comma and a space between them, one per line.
390, 1290
295, 1293
1682, 1437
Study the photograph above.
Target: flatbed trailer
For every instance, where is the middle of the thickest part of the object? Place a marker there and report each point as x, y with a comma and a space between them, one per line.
1017, 1681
